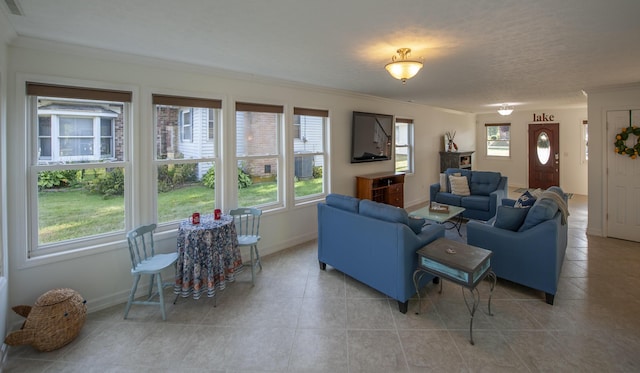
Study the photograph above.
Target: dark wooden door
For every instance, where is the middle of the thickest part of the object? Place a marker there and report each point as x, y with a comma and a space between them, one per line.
544, 155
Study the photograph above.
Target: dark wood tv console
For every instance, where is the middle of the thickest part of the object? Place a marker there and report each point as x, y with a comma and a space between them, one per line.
384, 187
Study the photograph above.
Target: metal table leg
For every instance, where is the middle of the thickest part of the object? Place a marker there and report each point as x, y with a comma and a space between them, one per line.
493, 279
417, 276
475, 294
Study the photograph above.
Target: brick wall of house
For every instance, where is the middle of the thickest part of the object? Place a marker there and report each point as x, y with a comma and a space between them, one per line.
259, 130
167, 135
118, 141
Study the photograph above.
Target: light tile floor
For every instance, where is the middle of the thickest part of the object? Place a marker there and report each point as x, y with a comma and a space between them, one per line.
300, 319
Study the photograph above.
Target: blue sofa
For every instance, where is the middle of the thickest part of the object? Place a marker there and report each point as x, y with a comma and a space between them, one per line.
487, 190
527, 249
373, 243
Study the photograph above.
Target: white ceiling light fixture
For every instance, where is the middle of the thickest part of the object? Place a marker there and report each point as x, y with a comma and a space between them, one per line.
505, 110
403, 68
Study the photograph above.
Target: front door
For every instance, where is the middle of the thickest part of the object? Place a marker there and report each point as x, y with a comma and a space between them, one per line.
544, 155
623, 178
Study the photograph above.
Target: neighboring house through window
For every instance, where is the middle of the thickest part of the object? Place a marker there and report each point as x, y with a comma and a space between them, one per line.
185, 125
404, 145
309, 134
211, 124
68, 131
77, 199
185, 167
498, 137
259, 154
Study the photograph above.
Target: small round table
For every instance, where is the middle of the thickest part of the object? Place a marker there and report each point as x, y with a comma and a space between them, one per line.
208, 256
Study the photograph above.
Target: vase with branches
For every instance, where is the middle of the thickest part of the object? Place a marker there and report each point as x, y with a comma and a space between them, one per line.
451, 146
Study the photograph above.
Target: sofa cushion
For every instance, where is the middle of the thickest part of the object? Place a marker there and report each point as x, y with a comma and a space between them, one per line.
449, 199
343, 202
383, 211
510, 218
459, 185
443, 183
416, 223
482, 183
456, 172
525, 200
542, 210
480, 203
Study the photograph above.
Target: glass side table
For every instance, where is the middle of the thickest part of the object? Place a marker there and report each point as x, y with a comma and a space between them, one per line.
461, 264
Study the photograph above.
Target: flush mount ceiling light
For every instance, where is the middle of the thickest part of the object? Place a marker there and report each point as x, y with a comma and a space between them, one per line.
401, 67
505, 110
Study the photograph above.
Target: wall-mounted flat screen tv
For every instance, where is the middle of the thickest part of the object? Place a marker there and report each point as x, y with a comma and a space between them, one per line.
371, 137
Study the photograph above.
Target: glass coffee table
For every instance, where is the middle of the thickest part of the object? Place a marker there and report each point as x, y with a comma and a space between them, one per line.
452, 214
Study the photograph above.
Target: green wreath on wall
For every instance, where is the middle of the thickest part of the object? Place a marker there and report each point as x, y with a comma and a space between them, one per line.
621, 146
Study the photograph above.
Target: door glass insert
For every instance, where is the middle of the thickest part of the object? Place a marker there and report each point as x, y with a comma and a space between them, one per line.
543, 148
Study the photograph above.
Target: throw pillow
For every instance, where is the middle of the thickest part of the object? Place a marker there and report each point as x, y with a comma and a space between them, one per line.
541, 211
455, 172
416, 223
526, 200
510, 218
536, 193
459, 185
443, 183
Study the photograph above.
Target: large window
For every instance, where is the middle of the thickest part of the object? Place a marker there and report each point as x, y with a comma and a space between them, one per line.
186, 169
308, 136
498, 139
75, 195
259, 154
404, 145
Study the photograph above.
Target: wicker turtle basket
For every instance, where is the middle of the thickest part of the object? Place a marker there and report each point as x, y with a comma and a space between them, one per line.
54, 321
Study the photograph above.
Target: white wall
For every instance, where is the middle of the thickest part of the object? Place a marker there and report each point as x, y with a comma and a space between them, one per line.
5, 35
103, 278
573, 170
601, 101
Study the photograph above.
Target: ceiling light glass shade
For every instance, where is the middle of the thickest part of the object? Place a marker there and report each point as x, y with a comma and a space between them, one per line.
401, 67
505, 110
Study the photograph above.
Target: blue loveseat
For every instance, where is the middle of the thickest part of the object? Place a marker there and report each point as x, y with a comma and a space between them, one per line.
487, 190
528, 244
373, 243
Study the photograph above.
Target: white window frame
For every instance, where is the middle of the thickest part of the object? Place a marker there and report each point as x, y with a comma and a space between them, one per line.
184, 126
111, 138
278, 155
297, 135
211, 125
55, 137
409, 145
188, 104
296, 129
46, 252
486, 139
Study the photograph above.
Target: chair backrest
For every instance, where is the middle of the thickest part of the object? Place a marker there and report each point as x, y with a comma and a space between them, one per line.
141, 244
247, 221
